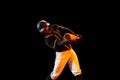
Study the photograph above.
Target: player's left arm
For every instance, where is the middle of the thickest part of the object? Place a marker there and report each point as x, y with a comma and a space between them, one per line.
73, 34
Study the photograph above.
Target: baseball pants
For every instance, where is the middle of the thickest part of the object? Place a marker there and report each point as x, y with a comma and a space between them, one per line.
61, 59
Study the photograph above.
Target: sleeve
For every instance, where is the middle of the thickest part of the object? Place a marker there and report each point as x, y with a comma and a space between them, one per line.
51, 42
79, 37
63, 29
68, 30
62, 42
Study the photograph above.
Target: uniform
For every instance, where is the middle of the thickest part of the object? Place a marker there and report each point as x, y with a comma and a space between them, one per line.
63, 51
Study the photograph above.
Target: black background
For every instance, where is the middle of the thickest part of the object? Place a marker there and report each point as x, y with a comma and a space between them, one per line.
38, 59
27, 57
43, 57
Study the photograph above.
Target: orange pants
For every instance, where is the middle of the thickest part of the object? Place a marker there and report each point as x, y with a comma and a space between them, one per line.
61, 59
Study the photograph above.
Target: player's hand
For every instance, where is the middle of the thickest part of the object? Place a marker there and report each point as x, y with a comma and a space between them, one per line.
80, 37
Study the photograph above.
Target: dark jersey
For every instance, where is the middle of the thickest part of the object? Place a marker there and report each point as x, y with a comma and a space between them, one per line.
55, 40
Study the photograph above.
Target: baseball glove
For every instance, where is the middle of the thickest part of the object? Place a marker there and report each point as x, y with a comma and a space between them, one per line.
70, 37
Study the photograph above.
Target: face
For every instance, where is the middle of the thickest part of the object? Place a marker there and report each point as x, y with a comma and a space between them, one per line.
47, 30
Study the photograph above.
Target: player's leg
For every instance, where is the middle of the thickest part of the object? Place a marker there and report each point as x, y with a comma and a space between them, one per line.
60, 62
79, 77
48, 78
75, 66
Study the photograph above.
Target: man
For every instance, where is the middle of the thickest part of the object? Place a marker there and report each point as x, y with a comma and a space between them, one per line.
56, 39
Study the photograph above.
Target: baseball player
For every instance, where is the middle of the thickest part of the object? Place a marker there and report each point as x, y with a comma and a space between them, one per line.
61, 39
